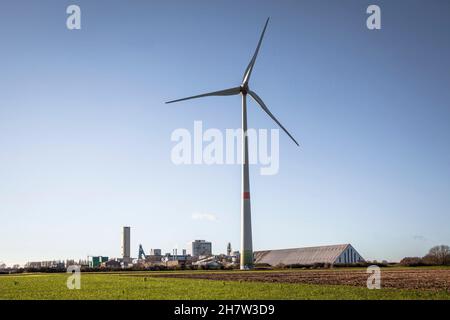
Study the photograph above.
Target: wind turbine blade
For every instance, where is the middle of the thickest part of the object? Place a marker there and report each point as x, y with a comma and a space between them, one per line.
249, 69
226, 92
264, 107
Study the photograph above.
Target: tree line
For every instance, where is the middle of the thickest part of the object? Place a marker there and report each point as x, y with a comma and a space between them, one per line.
437, 256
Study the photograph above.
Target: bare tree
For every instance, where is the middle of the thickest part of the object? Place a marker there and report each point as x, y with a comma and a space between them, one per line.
440, 254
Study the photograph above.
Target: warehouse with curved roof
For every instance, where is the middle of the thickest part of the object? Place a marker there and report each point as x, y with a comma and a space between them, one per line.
334, 254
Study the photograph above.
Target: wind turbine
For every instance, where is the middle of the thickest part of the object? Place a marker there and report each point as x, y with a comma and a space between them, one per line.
243, 90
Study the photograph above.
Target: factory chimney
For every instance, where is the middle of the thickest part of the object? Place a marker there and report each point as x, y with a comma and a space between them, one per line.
126, 244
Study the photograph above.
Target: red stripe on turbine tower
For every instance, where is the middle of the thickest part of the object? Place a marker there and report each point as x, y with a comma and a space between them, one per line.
246, 195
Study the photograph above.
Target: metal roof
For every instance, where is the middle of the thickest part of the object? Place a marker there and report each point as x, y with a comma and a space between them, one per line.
303, 256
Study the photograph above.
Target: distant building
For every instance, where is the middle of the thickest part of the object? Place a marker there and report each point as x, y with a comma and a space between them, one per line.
335, 254
155, 252
154, 257
96, 261
211, 262
229, 249
176, 260
235, 256
57, 265
201, 248
111, 264
83, 263
177, 263
70, 262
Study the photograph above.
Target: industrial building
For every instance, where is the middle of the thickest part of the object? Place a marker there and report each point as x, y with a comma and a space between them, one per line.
335, 254
201, 248
126, 244
176, 260
154, 258
111, 264
155, 252
212, 262
53, 264
96, 261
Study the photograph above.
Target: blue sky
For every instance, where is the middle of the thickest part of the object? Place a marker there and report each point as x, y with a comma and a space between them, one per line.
85, 136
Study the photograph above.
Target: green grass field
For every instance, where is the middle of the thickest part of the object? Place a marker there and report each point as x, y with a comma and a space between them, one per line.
141, 285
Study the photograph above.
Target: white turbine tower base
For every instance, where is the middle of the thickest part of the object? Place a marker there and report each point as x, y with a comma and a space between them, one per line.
243, 89
246, 215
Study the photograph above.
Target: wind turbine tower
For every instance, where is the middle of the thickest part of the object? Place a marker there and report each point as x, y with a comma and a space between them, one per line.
244, 90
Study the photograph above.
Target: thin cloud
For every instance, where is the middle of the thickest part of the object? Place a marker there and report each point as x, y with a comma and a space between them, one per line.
420, 238
204, 216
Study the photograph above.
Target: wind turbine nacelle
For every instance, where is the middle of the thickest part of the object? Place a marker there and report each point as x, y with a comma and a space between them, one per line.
244, 89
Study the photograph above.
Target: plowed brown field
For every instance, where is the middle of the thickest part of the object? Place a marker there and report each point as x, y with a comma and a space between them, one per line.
399, 279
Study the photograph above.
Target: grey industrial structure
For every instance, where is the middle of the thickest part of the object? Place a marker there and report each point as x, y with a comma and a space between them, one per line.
126, 244
202, 256
344, 254
201, 248
335, 254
